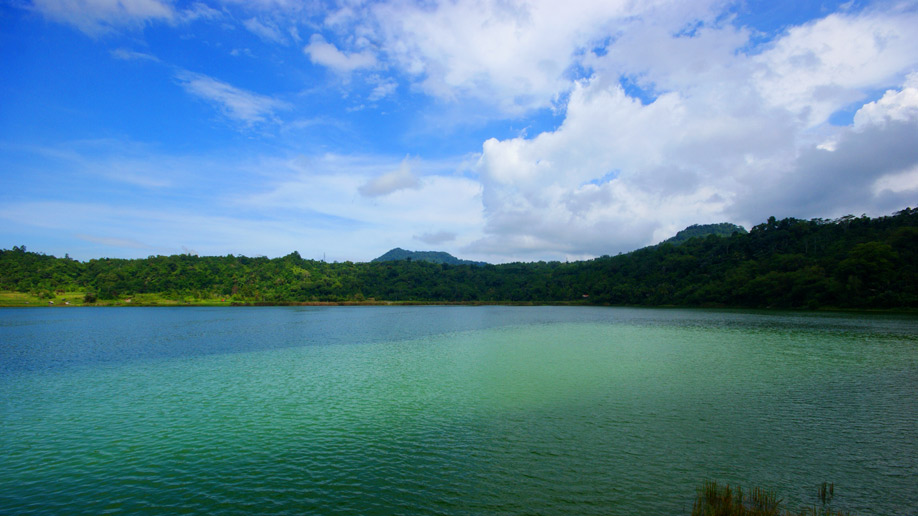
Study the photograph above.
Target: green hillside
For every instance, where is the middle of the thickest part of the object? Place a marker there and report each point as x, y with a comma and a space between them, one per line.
850, 262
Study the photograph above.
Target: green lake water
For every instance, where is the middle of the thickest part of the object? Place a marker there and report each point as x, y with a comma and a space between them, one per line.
450, 410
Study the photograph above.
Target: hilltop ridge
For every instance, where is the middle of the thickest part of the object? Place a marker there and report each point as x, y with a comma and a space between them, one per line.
398, 254
723, 229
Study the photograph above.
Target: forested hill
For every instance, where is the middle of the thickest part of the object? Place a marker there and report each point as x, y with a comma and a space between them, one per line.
851, 262
398, 253
703, 230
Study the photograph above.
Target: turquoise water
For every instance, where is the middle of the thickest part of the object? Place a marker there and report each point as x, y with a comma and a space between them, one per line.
450, 410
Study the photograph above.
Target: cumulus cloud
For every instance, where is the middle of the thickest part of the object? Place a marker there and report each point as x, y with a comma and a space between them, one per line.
722, 135
901, 105
822, 66
514, 55
391, 182
859, 175
327, 54
616, 175
235, 103
866, 167
95, 17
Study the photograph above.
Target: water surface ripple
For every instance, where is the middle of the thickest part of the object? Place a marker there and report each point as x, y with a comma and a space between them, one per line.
450, 410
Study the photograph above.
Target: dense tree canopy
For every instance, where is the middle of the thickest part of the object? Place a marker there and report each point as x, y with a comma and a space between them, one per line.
851, 262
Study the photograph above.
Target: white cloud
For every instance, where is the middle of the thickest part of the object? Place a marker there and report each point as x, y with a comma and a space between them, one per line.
820, 67
616, 175
98, 17
266, 31
391, 182
514, 56
901, 182
384, 87
821, 183
237, 104
300, 203
326, 54
714, 142
95, 17
898, 105
723, 129
200, 11
236, 52
321, 189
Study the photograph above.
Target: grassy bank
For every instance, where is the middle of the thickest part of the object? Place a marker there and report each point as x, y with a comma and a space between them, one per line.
70, 299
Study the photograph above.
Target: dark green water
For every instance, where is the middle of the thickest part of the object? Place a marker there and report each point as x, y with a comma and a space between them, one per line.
450, 410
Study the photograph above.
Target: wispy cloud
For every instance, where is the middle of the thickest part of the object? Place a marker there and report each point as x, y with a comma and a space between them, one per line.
326, 54
96, 17
385, 87
100, 17
119, 161
128, 243
391, 182
115, 230
235, 103
322, 191
266, 31
125, 54
200, 11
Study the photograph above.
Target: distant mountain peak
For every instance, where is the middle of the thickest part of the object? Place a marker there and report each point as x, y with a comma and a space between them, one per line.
723, 229
399, 254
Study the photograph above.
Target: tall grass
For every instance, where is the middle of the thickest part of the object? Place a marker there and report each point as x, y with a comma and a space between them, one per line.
715, 500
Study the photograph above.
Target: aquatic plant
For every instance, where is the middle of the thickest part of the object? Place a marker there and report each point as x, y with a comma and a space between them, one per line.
714, 500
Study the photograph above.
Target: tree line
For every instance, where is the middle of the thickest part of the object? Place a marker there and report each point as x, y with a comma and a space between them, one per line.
850, 262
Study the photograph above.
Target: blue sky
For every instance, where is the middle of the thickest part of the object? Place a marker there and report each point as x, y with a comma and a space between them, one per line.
494, 130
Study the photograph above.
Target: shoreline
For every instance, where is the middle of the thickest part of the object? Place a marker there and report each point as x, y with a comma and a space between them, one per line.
160, 303
290, 303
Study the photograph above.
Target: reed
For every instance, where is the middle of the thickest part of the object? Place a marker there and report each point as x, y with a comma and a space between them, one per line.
715, 500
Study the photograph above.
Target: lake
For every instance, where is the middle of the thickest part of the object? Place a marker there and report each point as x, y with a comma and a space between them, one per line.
450, 410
